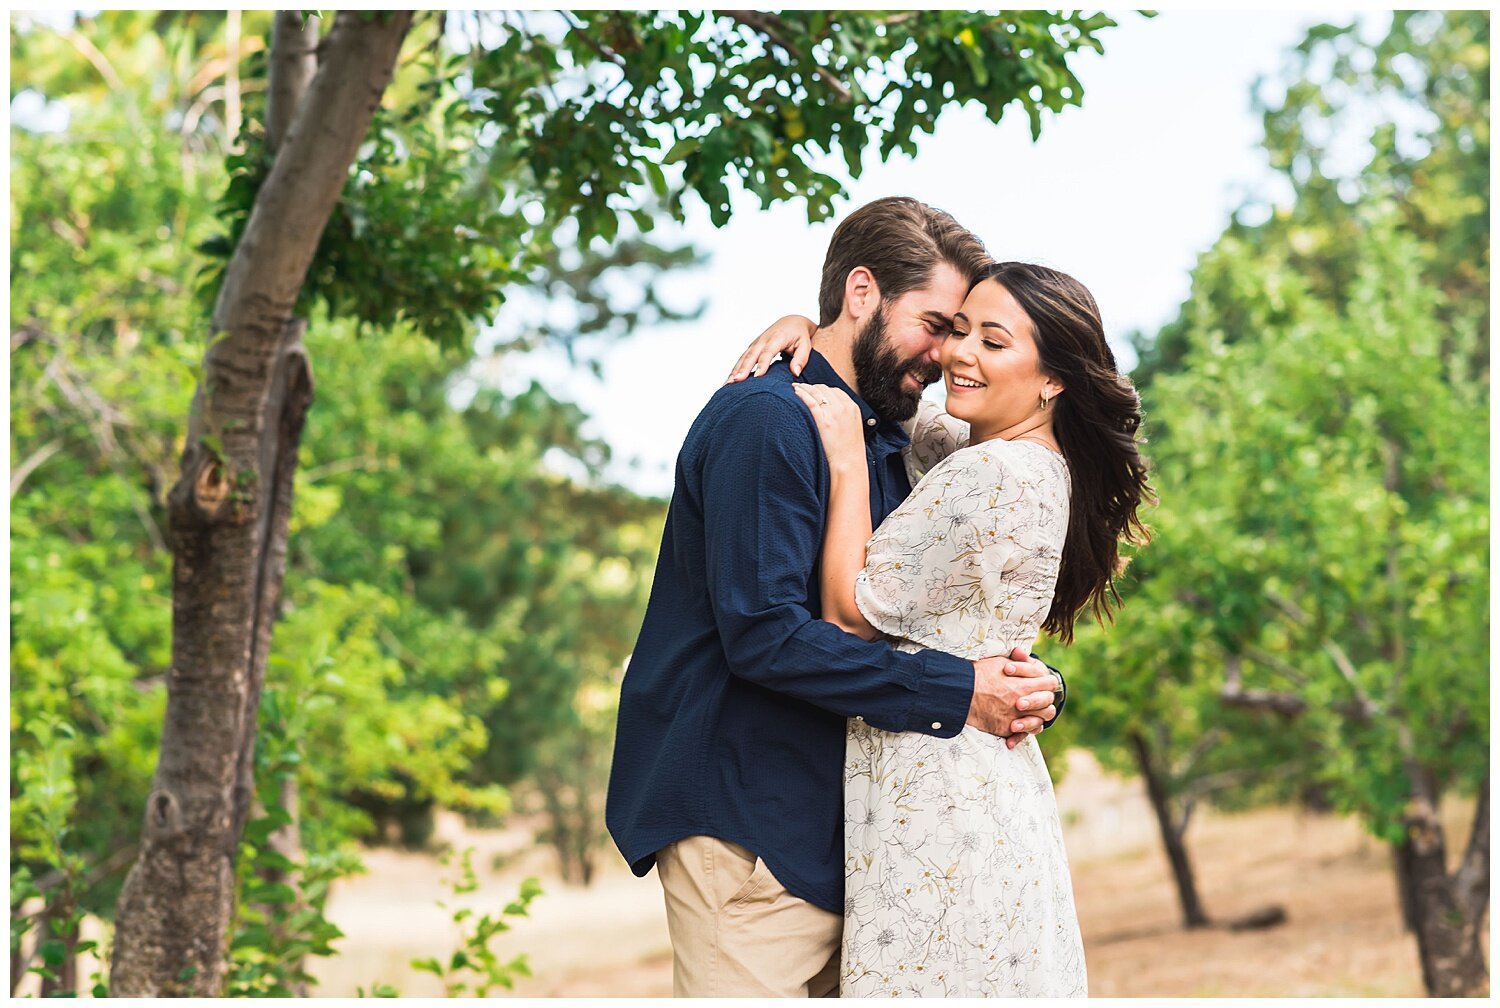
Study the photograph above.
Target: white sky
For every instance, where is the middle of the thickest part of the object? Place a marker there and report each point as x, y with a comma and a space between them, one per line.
1124, 193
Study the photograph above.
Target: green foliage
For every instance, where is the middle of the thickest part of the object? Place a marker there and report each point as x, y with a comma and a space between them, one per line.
518, 135
279, 922
473, 966
1321, 537
1338, 520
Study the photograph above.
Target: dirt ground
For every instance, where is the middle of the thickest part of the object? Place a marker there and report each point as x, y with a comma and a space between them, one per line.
1342, 938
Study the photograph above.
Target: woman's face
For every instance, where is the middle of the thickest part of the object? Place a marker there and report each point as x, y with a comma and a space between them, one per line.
990, 363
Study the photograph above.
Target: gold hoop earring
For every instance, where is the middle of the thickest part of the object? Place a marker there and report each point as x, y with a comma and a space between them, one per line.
1042, 403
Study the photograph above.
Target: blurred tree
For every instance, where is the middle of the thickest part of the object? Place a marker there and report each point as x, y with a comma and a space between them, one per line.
1333, 523
1201, 720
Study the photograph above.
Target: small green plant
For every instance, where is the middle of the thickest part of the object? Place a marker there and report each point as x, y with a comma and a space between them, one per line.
474, 966
383, 990
280, 917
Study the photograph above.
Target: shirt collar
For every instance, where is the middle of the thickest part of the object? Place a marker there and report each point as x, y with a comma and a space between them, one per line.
820, 372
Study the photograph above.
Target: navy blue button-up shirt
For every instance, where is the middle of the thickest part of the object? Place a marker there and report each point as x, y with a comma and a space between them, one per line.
732, 712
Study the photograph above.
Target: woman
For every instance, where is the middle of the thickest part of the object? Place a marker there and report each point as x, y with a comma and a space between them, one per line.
957, 882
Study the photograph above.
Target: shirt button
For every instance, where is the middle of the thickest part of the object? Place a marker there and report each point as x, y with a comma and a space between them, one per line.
870, 422
858, 718
937, 725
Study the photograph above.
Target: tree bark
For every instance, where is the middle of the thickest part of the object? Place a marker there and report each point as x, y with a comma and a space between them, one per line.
1449, 910
1401, 860
294, 61
228, 517
1193, 914
294, 47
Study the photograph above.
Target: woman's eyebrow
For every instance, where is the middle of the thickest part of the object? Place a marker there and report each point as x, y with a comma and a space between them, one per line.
997, 325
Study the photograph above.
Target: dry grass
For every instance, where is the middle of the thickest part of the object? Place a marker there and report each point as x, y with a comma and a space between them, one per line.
1343, 936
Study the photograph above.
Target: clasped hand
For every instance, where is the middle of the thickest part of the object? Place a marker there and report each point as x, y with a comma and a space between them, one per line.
1013, 696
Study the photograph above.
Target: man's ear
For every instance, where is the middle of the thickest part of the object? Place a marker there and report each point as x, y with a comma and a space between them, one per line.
861, 293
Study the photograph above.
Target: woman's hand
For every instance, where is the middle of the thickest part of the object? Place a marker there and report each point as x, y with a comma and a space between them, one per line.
840, 425
790, 334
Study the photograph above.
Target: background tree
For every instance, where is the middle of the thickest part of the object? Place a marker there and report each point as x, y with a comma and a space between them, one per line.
1339, 534
1322, 524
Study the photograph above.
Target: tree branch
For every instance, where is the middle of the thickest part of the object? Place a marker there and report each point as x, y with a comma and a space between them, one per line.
1270, 661
19, 473
1234, 693
96, 58
770, 26
99, 417
1364, 706
232, 115
351, 464
605, 52
1204, 743
294, 60
270, 263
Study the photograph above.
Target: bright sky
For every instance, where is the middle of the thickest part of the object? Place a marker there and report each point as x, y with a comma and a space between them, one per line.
1124, 193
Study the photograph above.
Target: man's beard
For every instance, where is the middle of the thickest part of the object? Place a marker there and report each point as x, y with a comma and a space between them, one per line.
878, 371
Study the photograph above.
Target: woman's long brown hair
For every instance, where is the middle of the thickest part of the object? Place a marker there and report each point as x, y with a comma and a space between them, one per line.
1096, 419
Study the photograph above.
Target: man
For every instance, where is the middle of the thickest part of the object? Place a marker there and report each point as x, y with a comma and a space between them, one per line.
727, 772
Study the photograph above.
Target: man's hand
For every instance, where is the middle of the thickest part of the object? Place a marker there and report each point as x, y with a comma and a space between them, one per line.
1012, 696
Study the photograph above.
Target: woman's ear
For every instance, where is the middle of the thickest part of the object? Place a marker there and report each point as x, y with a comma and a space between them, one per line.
1051, 387
861, 293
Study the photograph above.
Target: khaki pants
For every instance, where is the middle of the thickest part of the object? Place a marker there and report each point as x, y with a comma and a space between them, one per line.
737, 932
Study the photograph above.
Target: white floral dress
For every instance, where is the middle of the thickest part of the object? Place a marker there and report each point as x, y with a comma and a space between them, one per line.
956, 880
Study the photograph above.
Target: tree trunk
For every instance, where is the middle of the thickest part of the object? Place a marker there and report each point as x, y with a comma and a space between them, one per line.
228, 514
1401, 860
1193, 915
1449, 910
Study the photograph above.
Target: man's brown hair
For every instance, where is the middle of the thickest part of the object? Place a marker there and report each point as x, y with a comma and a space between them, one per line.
900, 241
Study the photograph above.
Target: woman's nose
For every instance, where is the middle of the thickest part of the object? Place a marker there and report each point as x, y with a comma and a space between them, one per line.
960, 349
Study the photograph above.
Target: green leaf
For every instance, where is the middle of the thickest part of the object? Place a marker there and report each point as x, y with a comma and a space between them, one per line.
681, 150
429, 965
54, 952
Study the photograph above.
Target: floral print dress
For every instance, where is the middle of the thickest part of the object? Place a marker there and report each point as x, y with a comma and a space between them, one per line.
956, 880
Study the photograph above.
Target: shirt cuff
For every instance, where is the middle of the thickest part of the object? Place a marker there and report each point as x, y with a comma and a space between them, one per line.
943, 696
